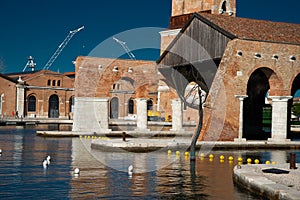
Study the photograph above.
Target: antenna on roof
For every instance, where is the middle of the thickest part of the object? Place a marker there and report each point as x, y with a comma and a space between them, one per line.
30, 63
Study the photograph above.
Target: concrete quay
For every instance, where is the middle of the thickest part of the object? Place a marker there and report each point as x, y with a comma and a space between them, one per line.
274, 185
156, 139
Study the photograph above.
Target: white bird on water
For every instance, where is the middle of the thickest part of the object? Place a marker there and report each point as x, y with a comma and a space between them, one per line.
48, 158
130, 170
46, 162
76, 171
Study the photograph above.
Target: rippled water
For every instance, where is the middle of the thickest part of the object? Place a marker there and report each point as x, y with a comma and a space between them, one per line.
22, 175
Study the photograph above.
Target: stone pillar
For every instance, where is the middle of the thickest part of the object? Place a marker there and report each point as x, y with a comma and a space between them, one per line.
241, 118
279, 118
20, 104
1, 102
177, 115
141, 109
91, 115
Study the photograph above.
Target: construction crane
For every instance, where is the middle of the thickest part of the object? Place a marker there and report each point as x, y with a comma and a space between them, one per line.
61, 47
125, 47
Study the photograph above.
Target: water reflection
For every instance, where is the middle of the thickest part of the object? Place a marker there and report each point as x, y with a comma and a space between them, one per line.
23, 176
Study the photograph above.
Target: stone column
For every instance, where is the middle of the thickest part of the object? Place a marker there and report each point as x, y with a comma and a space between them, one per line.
91, 115
241, 118
20, 97
141, 109
279, 118
177, 115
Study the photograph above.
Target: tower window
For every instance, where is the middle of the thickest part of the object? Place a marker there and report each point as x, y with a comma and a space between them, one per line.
58, 83
224, 6
49, 82
53, 83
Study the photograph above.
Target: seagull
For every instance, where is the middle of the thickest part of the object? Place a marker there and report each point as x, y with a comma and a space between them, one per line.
48, 158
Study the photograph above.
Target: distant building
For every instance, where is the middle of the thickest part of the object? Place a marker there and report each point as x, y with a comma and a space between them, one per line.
37, 94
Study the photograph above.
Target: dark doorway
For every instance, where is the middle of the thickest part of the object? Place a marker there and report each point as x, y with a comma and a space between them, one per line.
53, 111
149, 105
256, 111
71, 104
114, 108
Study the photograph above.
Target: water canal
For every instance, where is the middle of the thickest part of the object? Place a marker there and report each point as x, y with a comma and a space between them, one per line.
22, 175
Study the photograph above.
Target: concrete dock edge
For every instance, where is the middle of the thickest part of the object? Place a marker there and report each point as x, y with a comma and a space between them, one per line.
250, 177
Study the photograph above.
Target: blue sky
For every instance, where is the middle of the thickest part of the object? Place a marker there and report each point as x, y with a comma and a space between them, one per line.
37, 27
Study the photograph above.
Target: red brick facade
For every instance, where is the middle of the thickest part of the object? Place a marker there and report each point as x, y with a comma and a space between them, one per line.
47, 94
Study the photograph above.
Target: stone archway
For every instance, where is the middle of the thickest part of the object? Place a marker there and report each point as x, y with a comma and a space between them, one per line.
257, 118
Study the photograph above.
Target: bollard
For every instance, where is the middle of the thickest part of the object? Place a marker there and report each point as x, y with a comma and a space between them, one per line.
292, 161
124, 136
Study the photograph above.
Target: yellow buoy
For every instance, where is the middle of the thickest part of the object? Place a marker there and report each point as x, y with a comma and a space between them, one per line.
240, 159
211, 156
256, 161
222, 160
222, 157
177, 152
249, 160
240, 163
186, 153
273, 162
268, 162
211, 159
169, 151
202, 155
230, 158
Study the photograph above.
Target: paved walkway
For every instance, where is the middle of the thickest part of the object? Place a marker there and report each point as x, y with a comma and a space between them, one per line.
271, 185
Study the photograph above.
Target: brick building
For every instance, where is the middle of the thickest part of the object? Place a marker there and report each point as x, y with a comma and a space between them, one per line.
7, 96
236, 62
40, 94
108, 88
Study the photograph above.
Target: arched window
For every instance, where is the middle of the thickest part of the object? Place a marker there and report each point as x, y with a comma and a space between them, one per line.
58, 83
49, 82
130, 106
53, 83
31, 104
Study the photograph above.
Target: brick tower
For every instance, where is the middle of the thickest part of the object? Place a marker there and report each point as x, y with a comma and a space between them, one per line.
181, 7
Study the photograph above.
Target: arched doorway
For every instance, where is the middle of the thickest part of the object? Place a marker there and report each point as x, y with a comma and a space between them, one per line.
257, 118
130, 106
53, 111
114, 108
294, 108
